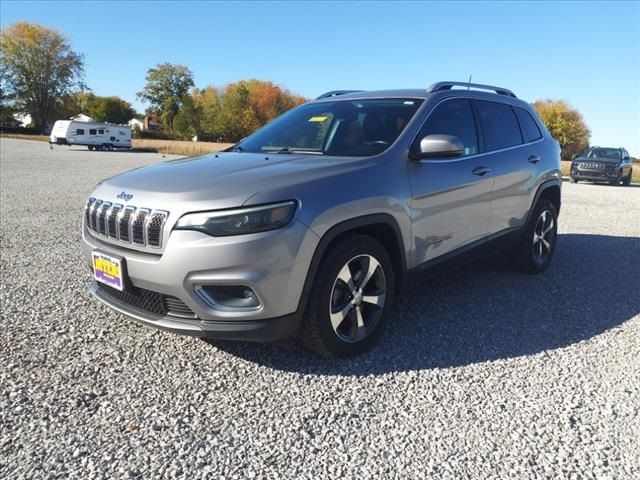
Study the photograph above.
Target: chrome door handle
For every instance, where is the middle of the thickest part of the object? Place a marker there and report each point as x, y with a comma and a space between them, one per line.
534, 158
480, 171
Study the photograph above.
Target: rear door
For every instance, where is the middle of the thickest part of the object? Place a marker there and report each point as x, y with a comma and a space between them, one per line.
514, 160
451, 197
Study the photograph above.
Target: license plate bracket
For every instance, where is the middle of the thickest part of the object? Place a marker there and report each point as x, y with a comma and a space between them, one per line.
108, 269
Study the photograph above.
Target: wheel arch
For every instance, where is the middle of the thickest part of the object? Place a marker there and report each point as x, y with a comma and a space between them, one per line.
382, 227
551, 190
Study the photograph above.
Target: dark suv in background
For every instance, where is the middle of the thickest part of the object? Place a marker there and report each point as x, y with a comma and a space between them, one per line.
602, 164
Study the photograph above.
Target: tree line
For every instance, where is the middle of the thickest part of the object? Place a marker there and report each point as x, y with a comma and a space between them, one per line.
41, 75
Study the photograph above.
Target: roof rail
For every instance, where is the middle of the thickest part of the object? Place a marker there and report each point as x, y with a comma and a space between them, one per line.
440, 86
335, 93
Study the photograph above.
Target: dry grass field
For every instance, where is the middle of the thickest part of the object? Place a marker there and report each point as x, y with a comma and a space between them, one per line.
187, 148
171, 147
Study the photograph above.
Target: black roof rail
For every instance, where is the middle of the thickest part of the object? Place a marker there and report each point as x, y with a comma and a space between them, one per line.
335, 93
440, 86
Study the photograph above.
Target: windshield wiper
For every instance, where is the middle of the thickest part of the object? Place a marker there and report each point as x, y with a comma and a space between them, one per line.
237, 148
289, 150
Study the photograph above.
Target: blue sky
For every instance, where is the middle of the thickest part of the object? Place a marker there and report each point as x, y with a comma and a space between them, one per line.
587, 53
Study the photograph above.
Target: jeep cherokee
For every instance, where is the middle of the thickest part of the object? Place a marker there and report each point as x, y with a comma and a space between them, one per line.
310, 226
600, 164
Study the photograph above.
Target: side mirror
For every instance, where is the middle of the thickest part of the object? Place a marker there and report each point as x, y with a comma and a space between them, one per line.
439, 146
626, 157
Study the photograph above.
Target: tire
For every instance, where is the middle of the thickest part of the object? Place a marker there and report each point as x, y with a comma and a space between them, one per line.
535, 250
90, 147
339, 321
573, 180
627, 180
615, 181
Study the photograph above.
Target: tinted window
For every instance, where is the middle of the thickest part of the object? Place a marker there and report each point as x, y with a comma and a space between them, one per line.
453, 117
92, 131
79, 131
529, 126
499, 125
100, 132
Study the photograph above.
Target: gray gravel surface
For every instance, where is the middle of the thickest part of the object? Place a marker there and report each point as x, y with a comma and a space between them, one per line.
483, 373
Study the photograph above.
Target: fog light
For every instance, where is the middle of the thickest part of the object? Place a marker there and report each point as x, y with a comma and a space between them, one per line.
229, 297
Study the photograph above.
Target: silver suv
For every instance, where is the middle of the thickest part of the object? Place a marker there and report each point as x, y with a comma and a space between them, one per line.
312, 225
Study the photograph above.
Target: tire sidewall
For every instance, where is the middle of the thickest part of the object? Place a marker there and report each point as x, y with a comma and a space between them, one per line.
530, 262
319, 309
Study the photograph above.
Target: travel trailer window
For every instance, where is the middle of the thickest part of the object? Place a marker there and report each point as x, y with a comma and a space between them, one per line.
101, 132
92, 131
79, 131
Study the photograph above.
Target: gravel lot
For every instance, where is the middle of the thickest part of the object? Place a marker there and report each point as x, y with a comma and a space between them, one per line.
483, 373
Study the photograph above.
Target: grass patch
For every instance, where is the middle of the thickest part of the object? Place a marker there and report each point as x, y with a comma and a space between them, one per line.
177, 147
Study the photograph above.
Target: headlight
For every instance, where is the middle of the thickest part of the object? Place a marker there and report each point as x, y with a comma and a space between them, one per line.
239, 221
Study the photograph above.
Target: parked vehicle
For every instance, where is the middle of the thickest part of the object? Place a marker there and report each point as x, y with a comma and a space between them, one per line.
96, 136
310, 226
602, 164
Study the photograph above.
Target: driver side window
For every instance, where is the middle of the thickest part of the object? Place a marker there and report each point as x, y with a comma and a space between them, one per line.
452, 117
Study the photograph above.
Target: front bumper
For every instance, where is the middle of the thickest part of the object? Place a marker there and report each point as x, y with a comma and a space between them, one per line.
267, 330
273, 264
603, 175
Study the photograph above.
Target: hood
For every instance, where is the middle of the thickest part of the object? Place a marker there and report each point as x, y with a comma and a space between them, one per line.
216, 181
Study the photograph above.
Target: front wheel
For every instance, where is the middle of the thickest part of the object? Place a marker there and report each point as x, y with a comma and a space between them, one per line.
351, 298
538, 242
627, 180
573, 180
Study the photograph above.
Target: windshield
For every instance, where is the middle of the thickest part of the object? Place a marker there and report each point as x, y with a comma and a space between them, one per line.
349, 128
612, 153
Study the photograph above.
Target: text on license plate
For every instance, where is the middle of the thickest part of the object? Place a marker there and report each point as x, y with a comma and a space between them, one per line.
107, 270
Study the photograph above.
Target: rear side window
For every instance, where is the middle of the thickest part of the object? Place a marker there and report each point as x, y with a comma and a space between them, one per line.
529, 126
499, 125
452, 117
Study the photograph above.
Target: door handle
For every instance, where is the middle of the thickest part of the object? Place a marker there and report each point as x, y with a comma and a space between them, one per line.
480, 171
534, 158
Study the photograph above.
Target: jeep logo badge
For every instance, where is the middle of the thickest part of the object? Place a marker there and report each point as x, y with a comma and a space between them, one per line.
125, 196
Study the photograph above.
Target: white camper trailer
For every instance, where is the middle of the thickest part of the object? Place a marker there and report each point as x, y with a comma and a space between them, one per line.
98, 136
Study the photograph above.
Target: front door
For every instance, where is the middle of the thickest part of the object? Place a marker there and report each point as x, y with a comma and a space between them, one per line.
451, 197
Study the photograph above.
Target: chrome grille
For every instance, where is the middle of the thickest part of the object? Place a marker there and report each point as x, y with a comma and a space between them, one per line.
154, 228
102, 217
591, 165
112, 221
140, 226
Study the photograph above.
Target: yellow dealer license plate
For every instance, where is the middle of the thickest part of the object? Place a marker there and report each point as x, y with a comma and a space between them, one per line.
108, 270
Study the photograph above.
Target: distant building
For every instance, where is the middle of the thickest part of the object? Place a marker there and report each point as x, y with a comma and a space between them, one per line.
81, 117
144, 125
22, 119
136, 124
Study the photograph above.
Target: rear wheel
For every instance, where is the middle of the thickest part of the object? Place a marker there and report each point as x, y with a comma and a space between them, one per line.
90, 147
536, 248
351, 298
